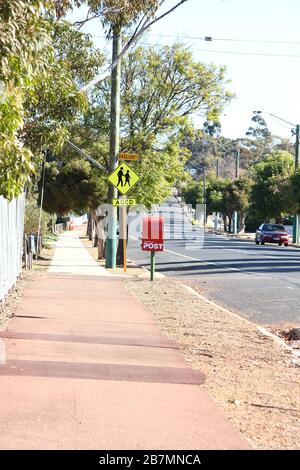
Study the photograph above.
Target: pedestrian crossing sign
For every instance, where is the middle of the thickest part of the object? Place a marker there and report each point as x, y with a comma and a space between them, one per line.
123, 178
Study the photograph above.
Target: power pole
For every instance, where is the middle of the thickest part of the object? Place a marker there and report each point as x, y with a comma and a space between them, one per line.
237, 174
111, 243
204, 194
296, 218
237, 164
218, 169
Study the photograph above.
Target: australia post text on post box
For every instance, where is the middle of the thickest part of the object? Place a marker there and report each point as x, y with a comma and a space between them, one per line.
153, 233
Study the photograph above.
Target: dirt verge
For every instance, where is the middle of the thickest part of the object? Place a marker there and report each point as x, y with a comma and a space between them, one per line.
252, 378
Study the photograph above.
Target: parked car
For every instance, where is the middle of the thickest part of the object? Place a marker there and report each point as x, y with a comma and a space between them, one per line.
272, 233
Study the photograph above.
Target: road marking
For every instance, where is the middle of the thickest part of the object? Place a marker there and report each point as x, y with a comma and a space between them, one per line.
244, 271
281, 300
214, 264
270, 287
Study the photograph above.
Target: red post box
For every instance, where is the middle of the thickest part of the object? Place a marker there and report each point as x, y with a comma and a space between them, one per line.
153, 233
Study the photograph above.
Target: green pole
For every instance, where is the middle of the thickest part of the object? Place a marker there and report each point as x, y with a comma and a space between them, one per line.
152, 265
296, 219
111, 246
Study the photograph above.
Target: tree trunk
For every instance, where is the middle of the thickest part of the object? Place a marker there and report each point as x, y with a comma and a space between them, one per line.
224, 217
94, 231
242, 224
89, 228
120, 253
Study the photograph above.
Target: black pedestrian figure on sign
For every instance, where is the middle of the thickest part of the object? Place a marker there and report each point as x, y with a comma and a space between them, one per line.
120, 175
127, 178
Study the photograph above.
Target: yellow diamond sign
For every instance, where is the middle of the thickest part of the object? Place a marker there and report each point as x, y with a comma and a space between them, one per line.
123, 178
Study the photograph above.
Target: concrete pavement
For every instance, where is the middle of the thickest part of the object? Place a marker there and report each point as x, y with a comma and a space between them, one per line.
69, 257
88, 368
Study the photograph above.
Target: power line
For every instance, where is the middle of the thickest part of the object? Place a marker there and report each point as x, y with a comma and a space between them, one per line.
86, 156
211, 39
264, 54
221, 51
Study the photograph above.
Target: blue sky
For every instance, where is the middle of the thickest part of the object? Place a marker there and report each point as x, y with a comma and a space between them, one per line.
257, 40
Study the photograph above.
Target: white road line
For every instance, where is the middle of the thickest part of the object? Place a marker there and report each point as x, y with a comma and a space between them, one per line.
244, 271
269, 287
281, 300
215, 264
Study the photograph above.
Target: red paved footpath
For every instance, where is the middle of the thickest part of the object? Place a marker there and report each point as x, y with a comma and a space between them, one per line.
88, 368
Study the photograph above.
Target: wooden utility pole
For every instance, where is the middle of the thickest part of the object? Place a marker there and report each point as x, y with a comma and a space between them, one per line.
111, 243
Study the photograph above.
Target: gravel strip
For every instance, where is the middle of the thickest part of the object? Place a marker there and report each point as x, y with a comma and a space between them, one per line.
252, 378
9, 304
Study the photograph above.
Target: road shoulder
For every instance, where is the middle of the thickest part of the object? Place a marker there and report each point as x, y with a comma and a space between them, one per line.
253, 379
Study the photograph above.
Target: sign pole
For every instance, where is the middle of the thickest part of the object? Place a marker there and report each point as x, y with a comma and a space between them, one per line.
124, 216
152, 265
123, 231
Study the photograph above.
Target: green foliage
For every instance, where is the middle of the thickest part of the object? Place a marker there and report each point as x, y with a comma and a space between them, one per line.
24, 51
160, 90
32, 215
237, 196
154, 117
158, 171
55, 102
260, 131
216, 195
40, 96
119, 13
23, 40
72, 187
222, 195
193, 193
293, 193
270, 193
163, 86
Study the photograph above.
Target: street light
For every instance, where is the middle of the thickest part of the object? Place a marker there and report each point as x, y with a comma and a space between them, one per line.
296, 132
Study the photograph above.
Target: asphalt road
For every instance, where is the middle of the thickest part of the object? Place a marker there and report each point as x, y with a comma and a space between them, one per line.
261, 283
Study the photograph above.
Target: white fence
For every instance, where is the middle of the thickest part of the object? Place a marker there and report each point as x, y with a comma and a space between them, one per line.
11, 241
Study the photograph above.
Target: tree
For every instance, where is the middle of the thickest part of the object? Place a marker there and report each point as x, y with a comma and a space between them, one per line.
258, 141
193, 193
55, 102
32, 217
270, 197
53, 109
216, 152
215, 197
25, 51
118, 16
72, 186
237, 199
293, 193
161, 88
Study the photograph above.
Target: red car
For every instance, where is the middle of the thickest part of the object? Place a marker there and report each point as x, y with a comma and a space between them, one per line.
271, 233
